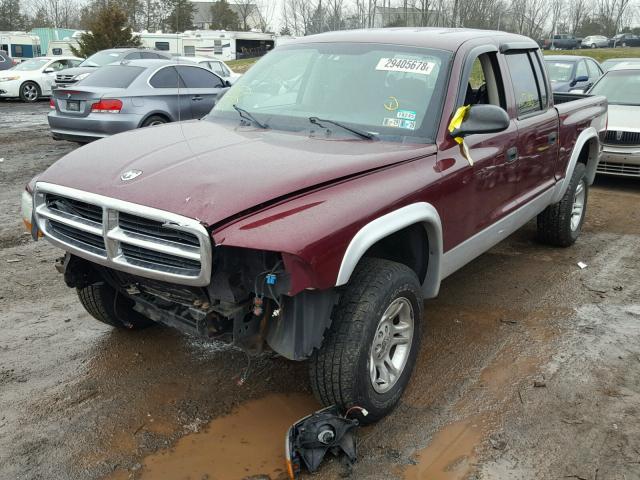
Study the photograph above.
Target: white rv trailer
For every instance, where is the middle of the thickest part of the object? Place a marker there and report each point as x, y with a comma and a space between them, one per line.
20, 45
219, 44
63, 47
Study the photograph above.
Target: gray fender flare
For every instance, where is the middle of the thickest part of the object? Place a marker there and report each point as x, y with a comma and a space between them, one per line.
423, 213
585, 136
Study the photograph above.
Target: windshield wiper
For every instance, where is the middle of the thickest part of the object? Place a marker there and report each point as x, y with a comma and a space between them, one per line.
355, 131
248, 116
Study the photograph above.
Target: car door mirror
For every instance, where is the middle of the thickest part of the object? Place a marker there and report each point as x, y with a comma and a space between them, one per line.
48, 70
581, 78
482, 119
227, 83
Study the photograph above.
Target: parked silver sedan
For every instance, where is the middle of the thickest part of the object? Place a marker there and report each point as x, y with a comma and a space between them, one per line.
133, 94
621, 149
595, 41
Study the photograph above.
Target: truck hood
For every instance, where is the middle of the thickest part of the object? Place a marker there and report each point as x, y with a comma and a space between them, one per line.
212, 171
623, 117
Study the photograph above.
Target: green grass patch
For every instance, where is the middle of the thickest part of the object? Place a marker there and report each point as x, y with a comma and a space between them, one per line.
241, 66
600, 54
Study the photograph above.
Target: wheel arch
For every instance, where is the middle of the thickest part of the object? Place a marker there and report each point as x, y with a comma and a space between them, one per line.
157, 113
586, 150
415, 226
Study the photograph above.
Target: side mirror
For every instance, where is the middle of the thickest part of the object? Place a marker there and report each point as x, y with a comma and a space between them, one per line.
482, 119
48, 70
581, 78
227, 83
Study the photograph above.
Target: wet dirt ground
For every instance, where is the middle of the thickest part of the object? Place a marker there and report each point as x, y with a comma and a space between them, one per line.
530, 366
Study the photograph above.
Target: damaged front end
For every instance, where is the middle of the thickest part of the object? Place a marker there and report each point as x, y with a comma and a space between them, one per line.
245, 303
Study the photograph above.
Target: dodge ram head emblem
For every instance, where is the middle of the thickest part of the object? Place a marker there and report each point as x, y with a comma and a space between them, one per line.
130, 175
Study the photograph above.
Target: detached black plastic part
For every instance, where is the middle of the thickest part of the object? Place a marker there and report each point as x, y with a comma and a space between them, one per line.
309, 439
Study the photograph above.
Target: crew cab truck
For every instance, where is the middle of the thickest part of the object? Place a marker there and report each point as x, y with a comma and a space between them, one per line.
328, 193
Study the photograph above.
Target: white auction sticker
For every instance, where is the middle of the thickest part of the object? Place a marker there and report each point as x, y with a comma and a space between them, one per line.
405, 65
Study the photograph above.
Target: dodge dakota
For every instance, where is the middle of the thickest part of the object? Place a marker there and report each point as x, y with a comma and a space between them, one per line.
327, 194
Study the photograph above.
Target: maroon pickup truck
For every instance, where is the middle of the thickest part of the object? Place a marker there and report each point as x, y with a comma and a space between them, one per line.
327, 194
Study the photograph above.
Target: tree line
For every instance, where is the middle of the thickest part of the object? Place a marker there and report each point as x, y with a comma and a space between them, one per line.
534, 18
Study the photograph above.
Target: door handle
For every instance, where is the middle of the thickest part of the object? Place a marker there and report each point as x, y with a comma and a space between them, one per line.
553, 136
196, 98
512, 154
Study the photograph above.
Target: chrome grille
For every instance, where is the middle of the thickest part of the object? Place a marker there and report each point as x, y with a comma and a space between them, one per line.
618, 137
124, 236
626, 169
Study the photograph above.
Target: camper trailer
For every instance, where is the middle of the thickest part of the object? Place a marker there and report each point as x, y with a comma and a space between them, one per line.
20, 45
221, 45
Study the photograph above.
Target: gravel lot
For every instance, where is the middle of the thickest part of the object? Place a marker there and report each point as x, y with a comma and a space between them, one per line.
529, 367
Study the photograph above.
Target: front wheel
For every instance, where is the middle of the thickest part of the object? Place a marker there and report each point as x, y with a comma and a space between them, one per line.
106, 305
29, 92
370, 349
593, 45
560, 224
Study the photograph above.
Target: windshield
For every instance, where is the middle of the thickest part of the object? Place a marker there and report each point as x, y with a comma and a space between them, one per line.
621, 87
33, 64
101, 58
559, 71
390, 91
608, 64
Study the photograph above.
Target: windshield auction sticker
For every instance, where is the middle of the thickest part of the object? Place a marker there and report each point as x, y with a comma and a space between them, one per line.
405, 65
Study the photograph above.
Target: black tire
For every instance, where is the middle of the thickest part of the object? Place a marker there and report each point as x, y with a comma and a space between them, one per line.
339, 370
108, 306
154, 120
26, 90
555, 222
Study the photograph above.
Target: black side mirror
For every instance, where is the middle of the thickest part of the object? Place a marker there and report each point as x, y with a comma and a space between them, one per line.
227, 83
482, 119
581, 78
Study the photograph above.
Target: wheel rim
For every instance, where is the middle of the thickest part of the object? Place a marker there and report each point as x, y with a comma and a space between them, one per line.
30, 92
155, 122
578, 206
391, 345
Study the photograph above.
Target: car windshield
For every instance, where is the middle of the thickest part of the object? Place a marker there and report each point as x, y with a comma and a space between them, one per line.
559, 71
116, 76
101, 58
621, 87
394, 92
33, 64
608, 64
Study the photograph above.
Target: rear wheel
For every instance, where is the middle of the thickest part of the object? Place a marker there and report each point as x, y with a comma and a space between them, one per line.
560, 224
370, 350
593, 45
108, 306
154, 120
29, 92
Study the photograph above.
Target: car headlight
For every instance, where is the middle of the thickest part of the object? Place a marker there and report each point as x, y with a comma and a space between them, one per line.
27, 214
82, 76
7, 79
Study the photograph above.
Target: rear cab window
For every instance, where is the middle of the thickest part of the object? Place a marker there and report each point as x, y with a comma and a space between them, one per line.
527, 82
116, 76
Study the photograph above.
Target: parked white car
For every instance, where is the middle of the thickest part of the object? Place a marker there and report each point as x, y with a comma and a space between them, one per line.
595, 41
33, 78
216, 66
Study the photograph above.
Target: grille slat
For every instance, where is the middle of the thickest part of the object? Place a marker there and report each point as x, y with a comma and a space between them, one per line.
619, 168
152, 228
176, 249
73, 234
617, 137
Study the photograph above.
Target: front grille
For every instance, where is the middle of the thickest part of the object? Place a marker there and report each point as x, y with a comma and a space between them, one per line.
619, 169
618, 137
128, 237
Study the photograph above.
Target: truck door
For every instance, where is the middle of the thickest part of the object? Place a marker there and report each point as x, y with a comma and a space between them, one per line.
479, 189
537, 122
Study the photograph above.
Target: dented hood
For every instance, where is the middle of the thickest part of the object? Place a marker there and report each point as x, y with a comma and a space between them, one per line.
212, 171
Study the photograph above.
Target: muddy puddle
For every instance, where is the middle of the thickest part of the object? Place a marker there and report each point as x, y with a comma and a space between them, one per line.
247, 442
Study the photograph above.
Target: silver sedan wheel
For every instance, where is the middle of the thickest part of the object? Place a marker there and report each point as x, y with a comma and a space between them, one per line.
30, 92
156, 122
578, 206
391, 345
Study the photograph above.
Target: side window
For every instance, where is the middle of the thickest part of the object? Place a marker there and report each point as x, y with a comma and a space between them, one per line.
196, 77
148, 55
133, 56
485, 85
166, 78
581, 69
525, 86
189, 50
164, 46
217, 68
59, 65
540, 78
594, 71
